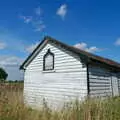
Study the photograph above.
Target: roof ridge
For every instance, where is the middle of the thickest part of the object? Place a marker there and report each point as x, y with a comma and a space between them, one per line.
95, 55
92, 56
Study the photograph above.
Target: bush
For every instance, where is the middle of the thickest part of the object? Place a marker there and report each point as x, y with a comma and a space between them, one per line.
3, 74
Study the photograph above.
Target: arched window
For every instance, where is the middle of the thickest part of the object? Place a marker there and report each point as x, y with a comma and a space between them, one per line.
48, 61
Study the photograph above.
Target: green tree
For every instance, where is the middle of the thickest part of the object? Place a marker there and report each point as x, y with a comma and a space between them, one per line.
3, 74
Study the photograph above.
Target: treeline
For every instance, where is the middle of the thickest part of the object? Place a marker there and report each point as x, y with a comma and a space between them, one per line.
14, 81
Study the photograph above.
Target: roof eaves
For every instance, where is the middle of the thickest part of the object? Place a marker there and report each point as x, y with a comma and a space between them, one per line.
75, 50
45, 39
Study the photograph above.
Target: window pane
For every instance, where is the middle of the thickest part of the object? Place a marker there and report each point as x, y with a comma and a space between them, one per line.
49, 62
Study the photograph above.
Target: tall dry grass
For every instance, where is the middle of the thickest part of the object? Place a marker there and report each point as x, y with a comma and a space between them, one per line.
12, 108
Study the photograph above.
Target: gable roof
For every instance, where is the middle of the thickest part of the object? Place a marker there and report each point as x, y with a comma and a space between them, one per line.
90, 56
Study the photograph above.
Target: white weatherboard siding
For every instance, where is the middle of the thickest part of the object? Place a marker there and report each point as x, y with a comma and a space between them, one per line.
119, 82
115, 84
100, 82
67, 82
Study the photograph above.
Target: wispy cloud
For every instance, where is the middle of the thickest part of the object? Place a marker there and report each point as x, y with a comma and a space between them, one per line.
39, 25
31, 47
2, 45
40, 28
117, 42
38, 11
62, 11
26, 19
84, 46
35, 21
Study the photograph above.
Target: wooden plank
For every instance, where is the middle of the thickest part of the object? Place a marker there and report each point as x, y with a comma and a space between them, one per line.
68, 79
100, 81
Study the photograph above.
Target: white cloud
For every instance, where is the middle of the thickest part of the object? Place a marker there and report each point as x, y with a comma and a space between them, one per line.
93, 49
81, 45
117, 43
27, 19
38, 11
31, 47
11, 65
84, 46
2, 45
10, 60
62, 11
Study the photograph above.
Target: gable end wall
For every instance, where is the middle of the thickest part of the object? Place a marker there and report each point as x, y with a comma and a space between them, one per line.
67, 82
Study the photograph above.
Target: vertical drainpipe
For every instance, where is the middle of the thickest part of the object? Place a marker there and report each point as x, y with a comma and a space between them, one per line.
88, 82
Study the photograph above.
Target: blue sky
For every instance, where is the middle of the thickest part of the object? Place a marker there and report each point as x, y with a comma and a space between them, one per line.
92, 25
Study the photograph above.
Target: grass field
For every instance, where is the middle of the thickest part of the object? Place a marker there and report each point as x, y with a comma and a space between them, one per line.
12, 108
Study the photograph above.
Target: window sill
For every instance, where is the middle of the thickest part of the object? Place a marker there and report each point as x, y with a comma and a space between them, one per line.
48, 71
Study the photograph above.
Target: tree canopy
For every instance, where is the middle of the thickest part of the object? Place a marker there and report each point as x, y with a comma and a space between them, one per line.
3, 74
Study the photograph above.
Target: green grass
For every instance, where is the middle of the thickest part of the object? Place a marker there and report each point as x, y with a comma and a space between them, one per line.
12, 108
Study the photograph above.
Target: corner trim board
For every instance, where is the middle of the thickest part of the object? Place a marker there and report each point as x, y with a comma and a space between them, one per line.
88, 84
